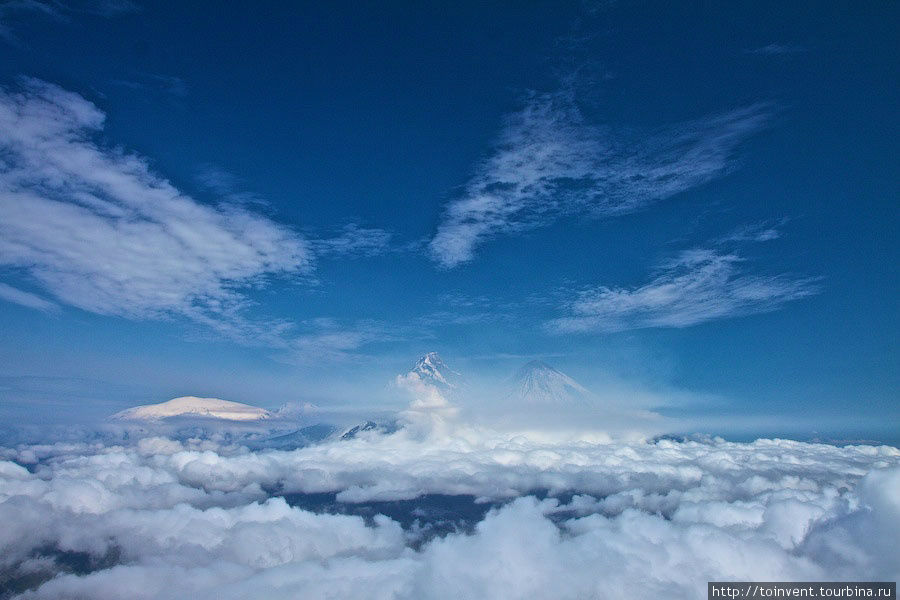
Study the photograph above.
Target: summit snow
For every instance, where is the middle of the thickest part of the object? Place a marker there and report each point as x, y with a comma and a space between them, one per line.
191, 406
537, 383
432, 370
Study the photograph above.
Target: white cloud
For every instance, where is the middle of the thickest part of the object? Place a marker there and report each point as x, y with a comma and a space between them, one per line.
26, 299
764, 231
777, 49
59, 10
549, 161
329, 340
99, 230
226, 186
354, 240
429, 410
176, 87
699, 285
105, 8
170, 519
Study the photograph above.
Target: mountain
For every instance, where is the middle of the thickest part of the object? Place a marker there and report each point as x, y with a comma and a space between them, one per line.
434, 371
538, 383
300, 438
191, 406
382, 428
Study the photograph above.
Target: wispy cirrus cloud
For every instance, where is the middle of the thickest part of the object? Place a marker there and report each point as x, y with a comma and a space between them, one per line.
227, 187
350, 241
59, 10
99, 230
697, 286
328, 340
26, 299
353, 240
456, 308
551, 161
762, 231
777, 49
154, 83
103, 8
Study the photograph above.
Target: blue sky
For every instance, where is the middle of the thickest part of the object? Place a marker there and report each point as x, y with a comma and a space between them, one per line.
277, 204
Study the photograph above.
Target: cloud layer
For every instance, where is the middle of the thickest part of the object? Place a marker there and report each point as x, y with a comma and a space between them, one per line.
550, 161
163, 518
99, 230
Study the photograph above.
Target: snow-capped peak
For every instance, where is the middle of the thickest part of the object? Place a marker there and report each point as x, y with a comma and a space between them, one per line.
191, 406
432, 369
539, 383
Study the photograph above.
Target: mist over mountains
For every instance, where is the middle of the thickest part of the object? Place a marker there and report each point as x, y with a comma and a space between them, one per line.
535, 393
537, 383
194, 498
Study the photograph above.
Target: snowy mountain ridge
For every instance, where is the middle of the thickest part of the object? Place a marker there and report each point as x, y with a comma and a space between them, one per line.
538, 383
192, 406
432, 370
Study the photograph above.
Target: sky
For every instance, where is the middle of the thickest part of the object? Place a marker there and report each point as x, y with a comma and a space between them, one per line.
688, 206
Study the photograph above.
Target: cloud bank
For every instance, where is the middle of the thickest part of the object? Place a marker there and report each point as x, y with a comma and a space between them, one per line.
163, 518
99, 230
550, 161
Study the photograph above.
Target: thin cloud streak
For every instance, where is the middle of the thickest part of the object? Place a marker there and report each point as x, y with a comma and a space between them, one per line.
699, 285
777, 49
58, 10
327, 340
550, 161
26, 299
354, 240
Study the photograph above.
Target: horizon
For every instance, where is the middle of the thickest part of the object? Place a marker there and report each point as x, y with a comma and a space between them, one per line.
586, 411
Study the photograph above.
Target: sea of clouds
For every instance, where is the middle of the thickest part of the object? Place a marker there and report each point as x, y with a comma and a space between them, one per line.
560, 516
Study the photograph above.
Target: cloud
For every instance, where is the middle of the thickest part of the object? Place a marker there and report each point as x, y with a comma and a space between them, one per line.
354, 240
329, 340
226, 186
150, 82
161, 518
35, 6
26, 299
763, 231
777, 49
60, 10
550, 161
429, 410
104, 8
98, 229
455, 308
699, 285
350, 241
